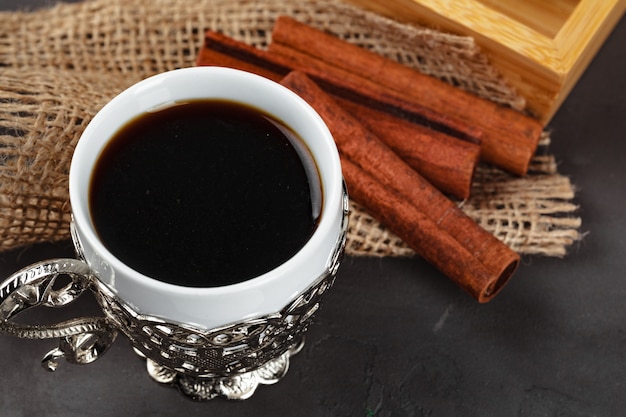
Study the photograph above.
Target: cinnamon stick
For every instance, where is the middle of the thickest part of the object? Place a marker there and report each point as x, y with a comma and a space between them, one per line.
354, 87
445, 161
509, 138
342, 83
417, 230
455, 160
355, 143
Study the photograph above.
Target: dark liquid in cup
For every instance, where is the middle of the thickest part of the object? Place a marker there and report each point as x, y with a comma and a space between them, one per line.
205, 193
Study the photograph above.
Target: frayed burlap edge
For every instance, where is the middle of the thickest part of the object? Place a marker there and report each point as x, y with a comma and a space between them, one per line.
60, 65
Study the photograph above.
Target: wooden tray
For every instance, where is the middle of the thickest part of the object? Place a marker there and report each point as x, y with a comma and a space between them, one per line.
540, 46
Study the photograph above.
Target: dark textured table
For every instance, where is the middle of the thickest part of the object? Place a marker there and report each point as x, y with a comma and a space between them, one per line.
395, 337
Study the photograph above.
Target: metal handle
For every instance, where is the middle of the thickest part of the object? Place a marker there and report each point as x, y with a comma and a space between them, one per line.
82, 340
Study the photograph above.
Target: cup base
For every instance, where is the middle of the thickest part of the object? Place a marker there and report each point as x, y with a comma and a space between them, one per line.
236, 387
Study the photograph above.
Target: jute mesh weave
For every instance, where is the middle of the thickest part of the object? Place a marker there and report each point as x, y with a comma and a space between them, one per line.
59, 66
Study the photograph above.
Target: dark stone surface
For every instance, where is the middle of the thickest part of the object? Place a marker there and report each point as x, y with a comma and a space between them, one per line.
395, 337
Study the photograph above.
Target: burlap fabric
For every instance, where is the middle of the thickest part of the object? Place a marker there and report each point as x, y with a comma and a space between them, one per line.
59, 66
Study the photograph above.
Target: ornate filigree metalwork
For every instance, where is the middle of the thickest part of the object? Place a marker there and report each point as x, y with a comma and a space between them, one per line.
234, 349
230, 361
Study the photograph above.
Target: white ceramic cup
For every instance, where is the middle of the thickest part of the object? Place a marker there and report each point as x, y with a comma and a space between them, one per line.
209, 308
208, 342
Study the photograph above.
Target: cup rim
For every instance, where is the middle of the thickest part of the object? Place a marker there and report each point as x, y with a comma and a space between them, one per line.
331, 181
